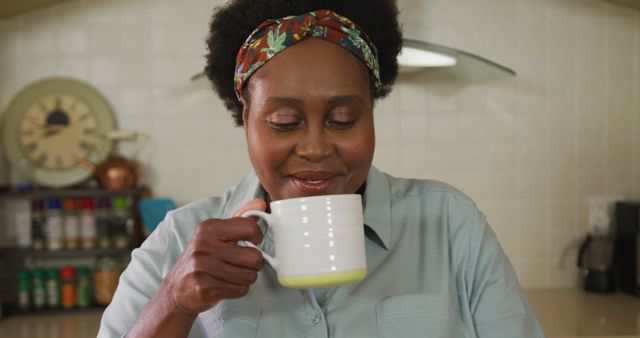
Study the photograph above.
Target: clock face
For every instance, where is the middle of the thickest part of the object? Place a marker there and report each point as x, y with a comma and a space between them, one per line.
58, 130
51, 126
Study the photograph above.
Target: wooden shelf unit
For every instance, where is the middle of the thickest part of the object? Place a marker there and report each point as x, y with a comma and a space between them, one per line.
13, 258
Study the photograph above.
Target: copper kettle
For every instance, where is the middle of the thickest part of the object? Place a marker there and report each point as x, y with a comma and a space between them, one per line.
116, 173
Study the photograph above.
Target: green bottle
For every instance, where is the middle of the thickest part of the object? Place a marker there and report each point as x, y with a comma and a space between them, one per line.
83, 289
39, 292
53, 288
23, 289
121, 221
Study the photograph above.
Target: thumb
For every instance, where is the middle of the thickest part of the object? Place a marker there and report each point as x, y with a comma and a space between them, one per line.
255, 204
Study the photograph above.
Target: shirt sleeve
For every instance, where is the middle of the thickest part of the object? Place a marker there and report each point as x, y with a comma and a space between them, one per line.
497, 303
139, 281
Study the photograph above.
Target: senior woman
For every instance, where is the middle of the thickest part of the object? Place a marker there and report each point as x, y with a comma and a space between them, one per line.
301, 78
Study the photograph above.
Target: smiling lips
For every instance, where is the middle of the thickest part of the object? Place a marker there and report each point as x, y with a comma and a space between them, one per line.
313, 182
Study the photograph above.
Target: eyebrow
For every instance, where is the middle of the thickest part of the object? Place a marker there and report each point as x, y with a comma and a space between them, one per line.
333, 101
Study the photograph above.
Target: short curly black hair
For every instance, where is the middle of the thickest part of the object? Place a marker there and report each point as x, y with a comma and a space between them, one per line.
232, 24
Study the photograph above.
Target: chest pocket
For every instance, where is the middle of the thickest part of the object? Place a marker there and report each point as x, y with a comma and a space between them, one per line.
424, 315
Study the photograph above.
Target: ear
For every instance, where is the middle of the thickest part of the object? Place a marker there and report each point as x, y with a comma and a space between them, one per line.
245, 110
245, 115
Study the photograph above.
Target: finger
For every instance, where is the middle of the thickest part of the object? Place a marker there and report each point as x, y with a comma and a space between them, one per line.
233, 274
212, 290
243, 257
230, 230
224, 290
255, 204
255, 234
227, 253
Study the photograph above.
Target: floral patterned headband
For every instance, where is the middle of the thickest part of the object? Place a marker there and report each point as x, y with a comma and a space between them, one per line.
275, 35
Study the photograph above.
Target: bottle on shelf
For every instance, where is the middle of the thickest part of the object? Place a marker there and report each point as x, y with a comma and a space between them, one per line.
39, 289
53, 288
103, 220
38, 223
88, 228
71, 224
22, 223
68, 287
54, 228
24, 291
120, 221
83, 287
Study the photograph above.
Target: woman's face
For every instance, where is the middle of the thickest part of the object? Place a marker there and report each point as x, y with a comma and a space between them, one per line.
309, 124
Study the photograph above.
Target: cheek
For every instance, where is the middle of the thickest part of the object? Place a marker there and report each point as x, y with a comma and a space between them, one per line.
267, 153
358, 153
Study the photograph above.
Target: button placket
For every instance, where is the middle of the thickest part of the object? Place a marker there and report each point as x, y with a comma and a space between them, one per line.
315, 319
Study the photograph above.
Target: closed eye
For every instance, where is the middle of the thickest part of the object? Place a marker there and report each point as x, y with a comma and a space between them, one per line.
290, 126
340, 125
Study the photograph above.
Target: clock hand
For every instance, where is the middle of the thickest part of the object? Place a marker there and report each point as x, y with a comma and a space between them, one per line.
34, 122
51, 130
50, 133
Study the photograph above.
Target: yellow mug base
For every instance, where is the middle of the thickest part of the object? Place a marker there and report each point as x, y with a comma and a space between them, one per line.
319, 281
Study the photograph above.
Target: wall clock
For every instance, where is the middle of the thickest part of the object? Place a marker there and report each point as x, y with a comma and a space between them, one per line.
51, 125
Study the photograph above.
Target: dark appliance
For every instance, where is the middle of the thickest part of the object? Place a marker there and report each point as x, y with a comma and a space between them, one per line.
627, 220
596, 261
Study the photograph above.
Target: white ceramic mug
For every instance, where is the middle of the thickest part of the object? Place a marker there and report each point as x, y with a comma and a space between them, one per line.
319, 240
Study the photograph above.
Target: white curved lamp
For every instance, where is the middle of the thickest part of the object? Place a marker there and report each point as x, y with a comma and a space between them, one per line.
416, 54
411, 56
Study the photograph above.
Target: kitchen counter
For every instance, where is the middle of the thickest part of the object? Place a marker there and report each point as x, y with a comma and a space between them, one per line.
563, 313
567, 313
57, 325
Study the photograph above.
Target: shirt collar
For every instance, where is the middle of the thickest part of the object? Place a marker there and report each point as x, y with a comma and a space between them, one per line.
377, 206
248, 189
377, 202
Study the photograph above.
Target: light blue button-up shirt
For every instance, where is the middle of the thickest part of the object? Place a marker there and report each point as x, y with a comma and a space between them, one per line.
435, 269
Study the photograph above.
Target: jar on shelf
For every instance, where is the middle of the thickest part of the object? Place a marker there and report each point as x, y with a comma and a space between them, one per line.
87, 224
120, 221
68, 287
102, 214
38, 225
22, 223
54, 230
105, 280
71, 224
53, 288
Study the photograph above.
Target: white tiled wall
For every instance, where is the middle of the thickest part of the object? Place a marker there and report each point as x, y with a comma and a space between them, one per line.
528, 149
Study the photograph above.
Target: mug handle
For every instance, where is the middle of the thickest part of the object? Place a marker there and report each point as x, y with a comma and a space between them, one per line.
267, 218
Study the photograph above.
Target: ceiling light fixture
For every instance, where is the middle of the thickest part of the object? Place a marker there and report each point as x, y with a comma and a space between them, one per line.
417, 54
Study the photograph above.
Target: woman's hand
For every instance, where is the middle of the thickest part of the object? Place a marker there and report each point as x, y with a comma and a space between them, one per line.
213, 267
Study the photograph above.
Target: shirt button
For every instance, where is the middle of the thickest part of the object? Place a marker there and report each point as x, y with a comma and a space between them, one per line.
315, 319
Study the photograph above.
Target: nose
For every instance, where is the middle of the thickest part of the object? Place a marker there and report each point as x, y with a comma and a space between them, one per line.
315, 145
